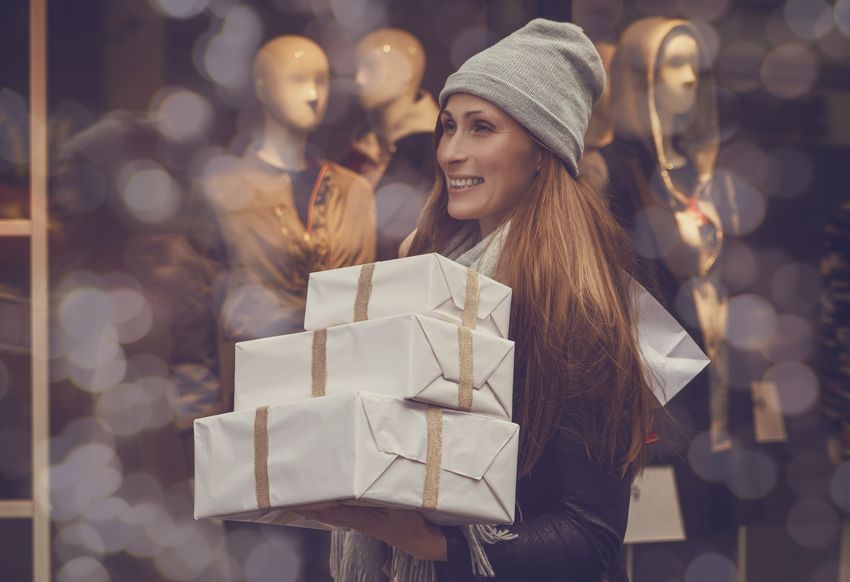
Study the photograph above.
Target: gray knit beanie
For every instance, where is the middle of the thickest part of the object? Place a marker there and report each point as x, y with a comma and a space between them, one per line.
547, 76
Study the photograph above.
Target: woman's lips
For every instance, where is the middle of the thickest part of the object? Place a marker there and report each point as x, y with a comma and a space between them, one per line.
462, 185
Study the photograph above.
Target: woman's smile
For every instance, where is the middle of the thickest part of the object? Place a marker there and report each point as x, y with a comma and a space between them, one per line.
462, 184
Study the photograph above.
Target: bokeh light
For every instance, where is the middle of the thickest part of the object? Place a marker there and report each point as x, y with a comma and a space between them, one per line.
841, 13
705, 463
796, 384
741, 207
5, 380
809, 19
839, 486
796, 287
751, 321
793, 339
706, 10
747, 160
181, 114
792, 171
812, 523
149, 192
738, 266
13, 110
83, 569
753, 475
180, 8
789, 70
711, 567
359, 15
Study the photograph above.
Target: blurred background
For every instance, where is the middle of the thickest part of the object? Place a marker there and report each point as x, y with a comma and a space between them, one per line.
145, 98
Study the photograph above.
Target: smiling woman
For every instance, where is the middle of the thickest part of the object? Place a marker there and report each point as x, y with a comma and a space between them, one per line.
508, 202
487, 158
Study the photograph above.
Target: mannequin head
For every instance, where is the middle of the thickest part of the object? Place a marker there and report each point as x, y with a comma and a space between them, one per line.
291, 78
390, 65
676, 75
600, 130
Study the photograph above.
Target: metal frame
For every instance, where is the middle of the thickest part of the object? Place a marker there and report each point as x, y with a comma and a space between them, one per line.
38, 507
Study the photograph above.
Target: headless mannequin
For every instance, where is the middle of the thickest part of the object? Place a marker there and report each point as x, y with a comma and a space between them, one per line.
395, 152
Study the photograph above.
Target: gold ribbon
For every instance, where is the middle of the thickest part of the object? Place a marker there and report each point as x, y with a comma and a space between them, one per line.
433, 457
471, 298
261, 457
364, 292
319, 362
465, 354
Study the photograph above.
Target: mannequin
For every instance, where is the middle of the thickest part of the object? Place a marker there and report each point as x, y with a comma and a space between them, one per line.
600, 130
661, 167
394, 150
265, 221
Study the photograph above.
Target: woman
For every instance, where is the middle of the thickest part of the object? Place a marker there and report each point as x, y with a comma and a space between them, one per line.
508, 202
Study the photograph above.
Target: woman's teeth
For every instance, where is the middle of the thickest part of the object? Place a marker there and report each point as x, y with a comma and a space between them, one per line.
465, 182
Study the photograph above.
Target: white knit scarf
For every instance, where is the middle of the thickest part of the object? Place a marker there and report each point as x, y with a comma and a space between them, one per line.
356, 557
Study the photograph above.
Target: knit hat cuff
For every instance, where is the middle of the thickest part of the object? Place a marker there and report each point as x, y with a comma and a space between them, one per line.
550, 130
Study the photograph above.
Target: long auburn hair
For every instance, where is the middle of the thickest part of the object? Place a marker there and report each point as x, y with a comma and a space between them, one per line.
578, 367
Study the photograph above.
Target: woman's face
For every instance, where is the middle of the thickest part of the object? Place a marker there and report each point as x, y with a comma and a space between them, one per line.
488, 159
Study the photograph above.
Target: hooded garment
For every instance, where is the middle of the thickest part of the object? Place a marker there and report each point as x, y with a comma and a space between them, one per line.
400, 167
669, 210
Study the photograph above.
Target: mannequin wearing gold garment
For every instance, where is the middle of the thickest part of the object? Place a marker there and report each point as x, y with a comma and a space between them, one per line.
270, 218
394, 149
663, 189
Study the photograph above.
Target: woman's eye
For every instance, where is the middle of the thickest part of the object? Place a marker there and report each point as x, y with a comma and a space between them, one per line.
481, 127
448, 126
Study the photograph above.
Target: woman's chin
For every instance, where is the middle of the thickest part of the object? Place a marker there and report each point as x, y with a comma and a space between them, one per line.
462, 212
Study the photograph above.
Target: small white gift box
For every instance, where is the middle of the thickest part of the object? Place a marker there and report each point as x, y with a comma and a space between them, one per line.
427, 284
407, 356
256, 465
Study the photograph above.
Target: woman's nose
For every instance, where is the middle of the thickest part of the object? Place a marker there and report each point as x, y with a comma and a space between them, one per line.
451, 150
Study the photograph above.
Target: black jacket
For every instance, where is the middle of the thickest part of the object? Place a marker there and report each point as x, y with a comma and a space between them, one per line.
571, 519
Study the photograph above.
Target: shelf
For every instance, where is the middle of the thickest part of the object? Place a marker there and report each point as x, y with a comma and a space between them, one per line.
15, 227
16, 509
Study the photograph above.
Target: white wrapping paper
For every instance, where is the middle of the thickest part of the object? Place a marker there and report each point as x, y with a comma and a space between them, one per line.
408, 356
358, 447
671, 356
426, 284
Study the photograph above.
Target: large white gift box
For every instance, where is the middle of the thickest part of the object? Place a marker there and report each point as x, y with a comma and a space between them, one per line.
427, 284
256, 465
407, 356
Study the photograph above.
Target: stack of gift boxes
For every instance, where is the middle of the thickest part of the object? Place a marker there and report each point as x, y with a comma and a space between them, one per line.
399, 394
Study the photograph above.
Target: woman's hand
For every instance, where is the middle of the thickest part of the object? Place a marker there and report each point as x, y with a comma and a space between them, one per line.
404, 529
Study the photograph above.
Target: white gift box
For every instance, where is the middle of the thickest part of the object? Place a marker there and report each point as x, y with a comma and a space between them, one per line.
427, 284
407, 356
459, 468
